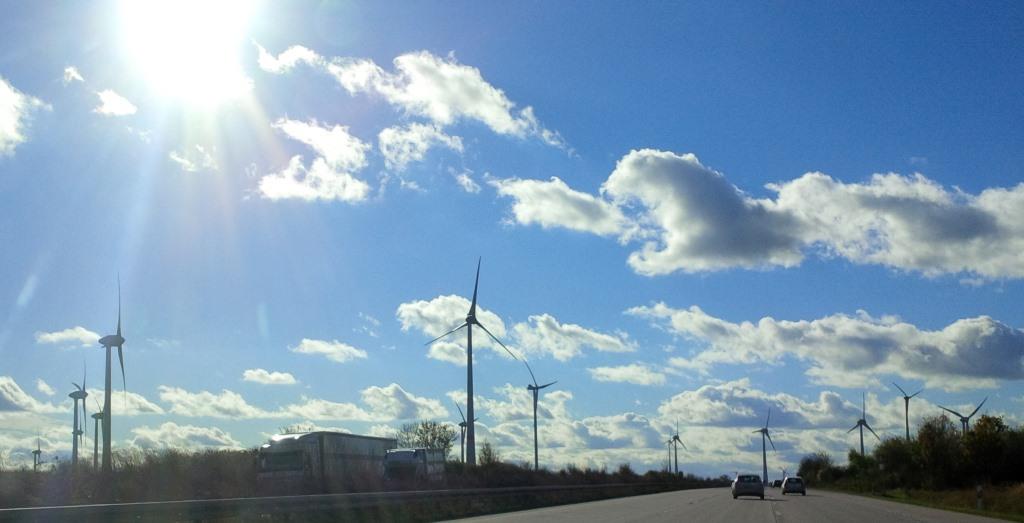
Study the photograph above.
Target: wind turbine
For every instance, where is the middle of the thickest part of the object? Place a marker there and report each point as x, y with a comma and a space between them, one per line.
764, 451
783, 473
862, 423
535, 389
96, 417
108, 342
675, 441
468, 324
906, 406
37, 456
965, 421
462, 432
79, 394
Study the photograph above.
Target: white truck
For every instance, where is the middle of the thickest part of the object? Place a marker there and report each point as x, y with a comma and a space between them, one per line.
414, 465
321, 462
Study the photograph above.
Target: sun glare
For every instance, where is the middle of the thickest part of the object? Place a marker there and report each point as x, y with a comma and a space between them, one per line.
188, 49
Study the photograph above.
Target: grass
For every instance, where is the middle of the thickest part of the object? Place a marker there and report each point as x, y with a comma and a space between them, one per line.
1005, 502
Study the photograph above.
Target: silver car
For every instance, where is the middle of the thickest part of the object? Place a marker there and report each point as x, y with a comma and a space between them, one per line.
747, 485
794, 485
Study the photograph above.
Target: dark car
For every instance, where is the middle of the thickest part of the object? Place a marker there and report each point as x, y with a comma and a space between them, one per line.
747, 485
794, 485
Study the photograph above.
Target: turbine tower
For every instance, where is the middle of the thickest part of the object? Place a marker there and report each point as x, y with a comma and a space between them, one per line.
79, 394
108, 342
96, 417
37, 456
675, 446
965, 421
862, 423
535, 389
462, 432
906, 406
468, 324
764, 450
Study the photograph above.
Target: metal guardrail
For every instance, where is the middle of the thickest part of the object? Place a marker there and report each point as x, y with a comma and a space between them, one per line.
269, 507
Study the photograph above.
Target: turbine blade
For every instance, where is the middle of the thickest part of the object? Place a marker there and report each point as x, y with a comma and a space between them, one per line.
508, 350
901, 388
683, 444
872, 430
124, 384
532, 377
863, 406
476, 283
445, 334
770, 440
955, 413
979, 407
916, 393
769, 417
853, 429
461, 415
119, 304
548, 384
758, 430
76, 386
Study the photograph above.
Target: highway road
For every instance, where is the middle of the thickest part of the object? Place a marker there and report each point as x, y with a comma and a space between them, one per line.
717, 505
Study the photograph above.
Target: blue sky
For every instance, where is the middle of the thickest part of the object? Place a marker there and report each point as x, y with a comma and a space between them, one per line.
684, 211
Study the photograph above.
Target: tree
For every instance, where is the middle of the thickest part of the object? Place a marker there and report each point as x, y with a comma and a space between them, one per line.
429, 434
815, 467
984, 446
941, 452
488, 454
898, 460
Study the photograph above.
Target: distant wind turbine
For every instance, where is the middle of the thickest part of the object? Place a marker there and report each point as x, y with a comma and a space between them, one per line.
862, 423
906, 406
462, 432
108, 342
675, 446
79, 394
468, 324
965, 421
96, 417
37, 456
535, 389
764, 450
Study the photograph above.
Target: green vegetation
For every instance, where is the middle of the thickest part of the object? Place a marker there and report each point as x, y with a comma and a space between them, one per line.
940, 467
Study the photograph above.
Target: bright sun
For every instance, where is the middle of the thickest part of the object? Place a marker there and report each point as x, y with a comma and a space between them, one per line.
188, 49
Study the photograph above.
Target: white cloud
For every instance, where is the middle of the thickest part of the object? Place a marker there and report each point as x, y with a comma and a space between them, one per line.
288, 59
15, 110
44, 387
393, 402
635, 373
124, 403
319, 182
853, 351
113, 104
443, 313
74, 335
193, 159
553, 204
466, 181
442, 90
402, 145
265, 377
701, 222
71, 74
333, 350
544, 335
226, 404
183, 437
341, 150
14, 399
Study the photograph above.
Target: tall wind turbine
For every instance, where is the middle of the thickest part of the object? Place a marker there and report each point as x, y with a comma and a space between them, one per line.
96, 418
675, 446
468, 324
462, 432
79, 394
862, 423
108, 342
906, 406
965, 421
764, 450
535, 389
37, 456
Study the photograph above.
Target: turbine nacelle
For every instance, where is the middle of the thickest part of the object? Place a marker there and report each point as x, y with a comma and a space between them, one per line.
112, 340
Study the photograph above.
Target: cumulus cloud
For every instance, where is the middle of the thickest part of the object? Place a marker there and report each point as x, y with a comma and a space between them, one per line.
849, 351
265, 377
288, 59
170, 435
333, 350
443, 313
44, 387
334, 144
330, 177
691, 219
16, 109
542, 334
402, 145
71, 74
113, 104
635, 373
193, 159
125, 403
226, 404
393, 402
75, 335
14, 399
466, 181
554, 204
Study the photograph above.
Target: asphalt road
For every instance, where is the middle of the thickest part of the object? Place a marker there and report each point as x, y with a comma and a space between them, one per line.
717, 505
